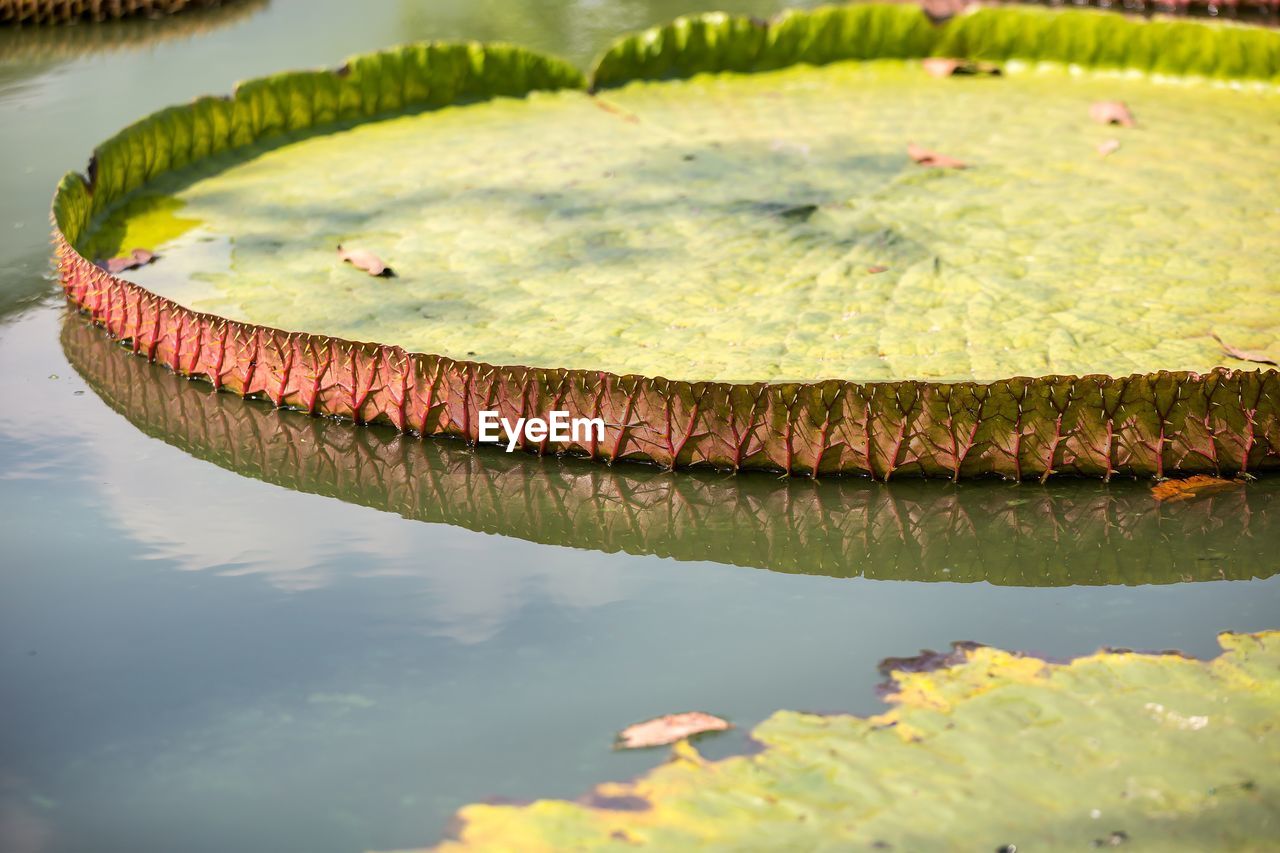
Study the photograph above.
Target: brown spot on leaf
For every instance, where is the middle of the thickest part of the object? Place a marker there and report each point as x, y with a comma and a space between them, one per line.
617, 803
876, 269
1108, 147
133, 260
669, 728
928, 660
1171, 491
365, 260
932, 159
1111, 112
1112, 839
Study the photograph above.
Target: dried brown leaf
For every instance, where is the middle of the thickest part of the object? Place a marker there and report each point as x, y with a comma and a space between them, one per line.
941, 10
365, 260
123, 263
940, 67
1246, 355
933, 159
614, 109
1108, 147
669, 728
1111, 112
1171, 491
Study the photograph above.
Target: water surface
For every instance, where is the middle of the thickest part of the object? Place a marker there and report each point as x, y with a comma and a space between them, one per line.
225, 628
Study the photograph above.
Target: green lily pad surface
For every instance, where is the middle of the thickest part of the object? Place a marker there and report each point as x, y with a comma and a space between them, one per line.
993, 751
762, 226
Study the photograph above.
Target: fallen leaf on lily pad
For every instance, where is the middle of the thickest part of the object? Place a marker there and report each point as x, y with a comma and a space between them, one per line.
669, 728
1111, 112
933, 159
1171, 491
133, 260
1108, 147
940, 67
365, 260
1246, 355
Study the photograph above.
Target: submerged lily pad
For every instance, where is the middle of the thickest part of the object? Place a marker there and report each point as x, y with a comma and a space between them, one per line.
992, 751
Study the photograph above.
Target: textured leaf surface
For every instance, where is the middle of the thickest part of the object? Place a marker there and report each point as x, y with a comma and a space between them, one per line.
725, 232
993, 751
1063, 533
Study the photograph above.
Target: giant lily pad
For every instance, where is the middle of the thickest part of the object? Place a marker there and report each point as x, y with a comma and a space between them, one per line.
1059, 534
33, 45
28, 12
994, 751
754, 230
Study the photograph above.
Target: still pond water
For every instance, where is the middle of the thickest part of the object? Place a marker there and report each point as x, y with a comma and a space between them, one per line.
226, 628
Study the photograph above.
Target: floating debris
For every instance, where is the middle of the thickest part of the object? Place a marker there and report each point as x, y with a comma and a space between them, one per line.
670, 728
365, 260
132, 261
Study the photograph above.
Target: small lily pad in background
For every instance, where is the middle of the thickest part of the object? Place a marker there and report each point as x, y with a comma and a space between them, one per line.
669, 728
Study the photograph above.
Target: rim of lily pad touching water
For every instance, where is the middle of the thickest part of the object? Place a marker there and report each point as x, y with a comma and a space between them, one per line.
850, 529
1156, 424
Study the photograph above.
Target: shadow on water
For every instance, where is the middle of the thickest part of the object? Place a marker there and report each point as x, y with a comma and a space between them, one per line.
1061, 534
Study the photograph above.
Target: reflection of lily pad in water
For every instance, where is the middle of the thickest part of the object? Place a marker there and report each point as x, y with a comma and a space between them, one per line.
992, 752
765, 226
724, 229
1065, 533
